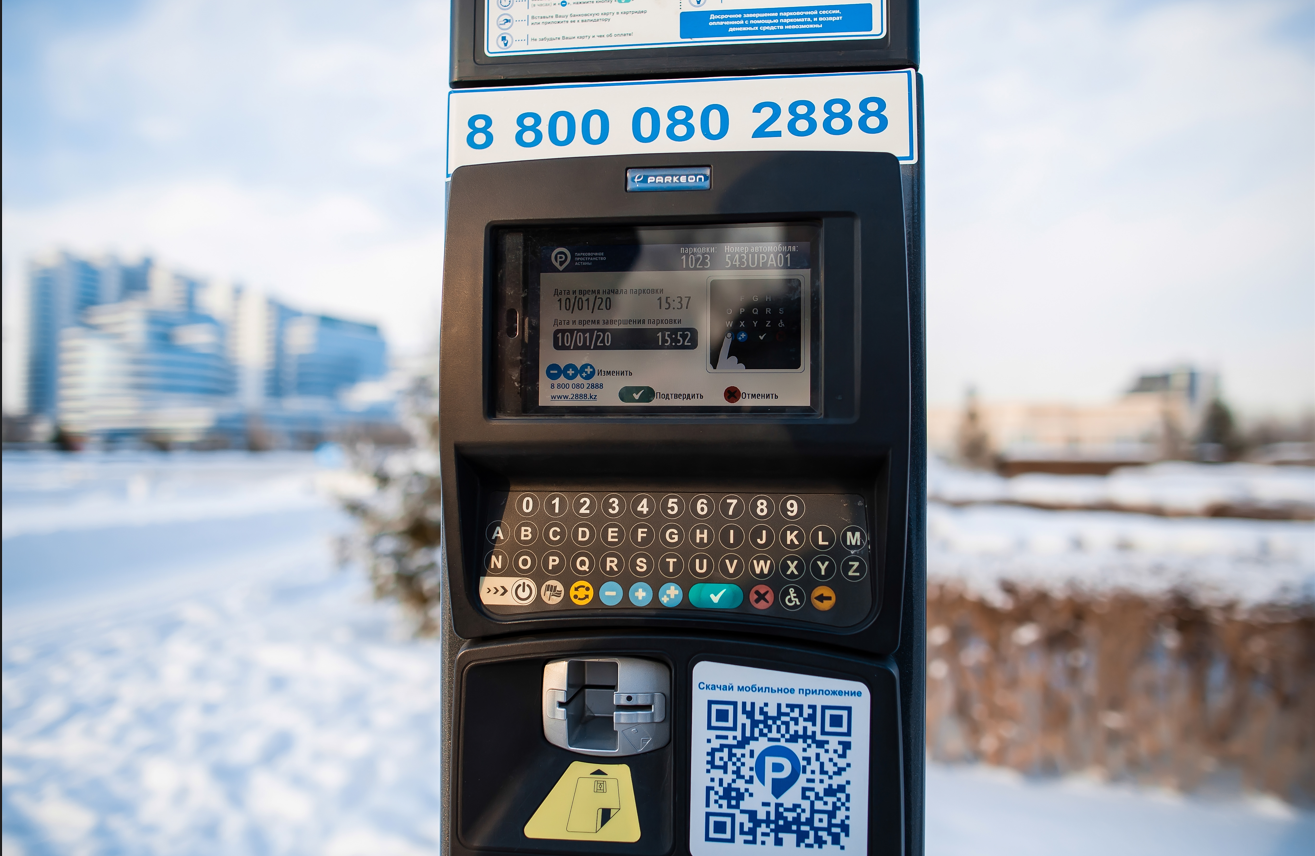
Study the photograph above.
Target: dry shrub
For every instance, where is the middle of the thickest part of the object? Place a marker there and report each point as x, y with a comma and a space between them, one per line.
1166, 691
401, 515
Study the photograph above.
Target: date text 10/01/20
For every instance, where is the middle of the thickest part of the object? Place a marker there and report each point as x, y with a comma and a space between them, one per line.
714, 122
627, 339
602, 303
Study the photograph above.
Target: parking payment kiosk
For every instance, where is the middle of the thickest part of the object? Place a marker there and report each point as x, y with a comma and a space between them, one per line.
681, 429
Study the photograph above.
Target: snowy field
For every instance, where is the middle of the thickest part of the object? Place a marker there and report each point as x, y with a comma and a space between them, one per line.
982, 528
186, 672
1170, 488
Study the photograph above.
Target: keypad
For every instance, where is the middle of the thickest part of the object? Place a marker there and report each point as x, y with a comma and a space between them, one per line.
800, 557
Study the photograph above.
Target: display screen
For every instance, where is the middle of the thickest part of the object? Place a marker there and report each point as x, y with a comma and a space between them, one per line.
716, 318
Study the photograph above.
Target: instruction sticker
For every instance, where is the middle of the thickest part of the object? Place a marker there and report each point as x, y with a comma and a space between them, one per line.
778, 761
590, 802
553, 26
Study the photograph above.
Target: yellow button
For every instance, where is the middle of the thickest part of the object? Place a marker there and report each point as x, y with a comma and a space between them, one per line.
582, 593
824, 598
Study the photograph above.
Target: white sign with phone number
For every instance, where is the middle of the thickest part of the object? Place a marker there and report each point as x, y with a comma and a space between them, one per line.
859, 112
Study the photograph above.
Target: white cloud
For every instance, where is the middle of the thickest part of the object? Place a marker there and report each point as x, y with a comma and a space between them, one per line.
333, 252
1112, 188
296, 146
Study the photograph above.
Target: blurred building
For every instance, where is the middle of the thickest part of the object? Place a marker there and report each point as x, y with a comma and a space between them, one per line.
131, 369
121, 353
259, 335
1159, 417
323, 356
60, 287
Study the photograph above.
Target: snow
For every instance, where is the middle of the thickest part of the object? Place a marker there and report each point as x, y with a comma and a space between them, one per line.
981, 532
1243, 562
186, 671
977, 811
1172, 487
191, 674
46, 493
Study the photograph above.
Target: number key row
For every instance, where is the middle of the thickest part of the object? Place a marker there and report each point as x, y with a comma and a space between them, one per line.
673, 505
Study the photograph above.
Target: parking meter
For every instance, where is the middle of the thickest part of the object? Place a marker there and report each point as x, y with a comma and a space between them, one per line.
682, 438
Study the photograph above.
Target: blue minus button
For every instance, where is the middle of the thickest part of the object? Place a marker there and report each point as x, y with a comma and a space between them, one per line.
644, 179
716, 595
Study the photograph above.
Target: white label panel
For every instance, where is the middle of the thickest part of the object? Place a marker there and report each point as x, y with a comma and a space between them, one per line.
553, 26
859, 112
778, 762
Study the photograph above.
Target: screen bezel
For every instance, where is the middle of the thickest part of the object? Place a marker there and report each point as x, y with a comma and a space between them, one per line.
517, 262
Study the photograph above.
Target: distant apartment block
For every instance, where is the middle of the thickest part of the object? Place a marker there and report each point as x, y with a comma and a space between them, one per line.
60, 288
323, 356
1159, 417
132, 369
119, 352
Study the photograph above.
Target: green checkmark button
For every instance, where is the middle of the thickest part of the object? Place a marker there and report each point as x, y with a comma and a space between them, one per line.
636, 394
716, 595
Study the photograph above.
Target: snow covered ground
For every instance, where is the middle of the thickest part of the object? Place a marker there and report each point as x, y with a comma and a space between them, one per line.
982, 529
185, 671
1222, 560
1172, 488
983, 811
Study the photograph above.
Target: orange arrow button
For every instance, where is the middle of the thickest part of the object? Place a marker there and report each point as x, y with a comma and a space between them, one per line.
824, 598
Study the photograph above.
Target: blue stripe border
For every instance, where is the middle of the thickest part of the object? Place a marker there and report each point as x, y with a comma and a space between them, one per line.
907, 72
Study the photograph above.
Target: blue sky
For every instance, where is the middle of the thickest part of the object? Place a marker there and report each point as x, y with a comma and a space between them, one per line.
1112, 186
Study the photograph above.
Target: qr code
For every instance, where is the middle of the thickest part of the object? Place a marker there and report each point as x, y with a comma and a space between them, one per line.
779, 774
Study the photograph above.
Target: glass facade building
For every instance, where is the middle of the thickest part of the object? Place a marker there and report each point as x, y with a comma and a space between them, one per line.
120, 351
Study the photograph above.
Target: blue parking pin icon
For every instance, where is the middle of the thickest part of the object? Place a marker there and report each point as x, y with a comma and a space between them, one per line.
553, 371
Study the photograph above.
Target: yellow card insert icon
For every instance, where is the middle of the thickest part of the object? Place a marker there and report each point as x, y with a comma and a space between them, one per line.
590, 802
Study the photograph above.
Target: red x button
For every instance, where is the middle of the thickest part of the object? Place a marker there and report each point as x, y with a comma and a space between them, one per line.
761, 597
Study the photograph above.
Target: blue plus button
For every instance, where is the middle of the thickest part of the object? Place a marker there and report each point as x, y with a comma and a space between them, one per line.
641, 594
570, 371
553, 371
610, 593
587, 371
670, 594
716, 595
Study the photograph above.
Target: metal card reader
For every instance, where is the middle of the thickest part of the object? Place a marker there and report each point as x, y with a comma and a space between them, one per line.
609, 706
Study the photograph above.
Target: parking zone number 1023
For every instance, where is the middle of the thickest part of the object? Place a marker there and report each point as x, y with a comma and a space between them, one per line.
682, 123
